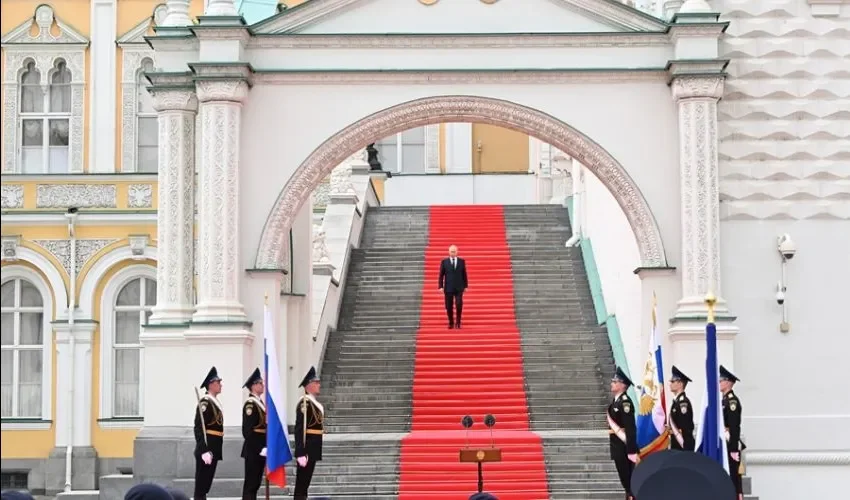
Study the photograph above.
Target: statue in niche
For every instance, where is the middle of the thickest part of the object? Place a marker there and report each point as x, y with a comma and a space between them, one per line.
374, 162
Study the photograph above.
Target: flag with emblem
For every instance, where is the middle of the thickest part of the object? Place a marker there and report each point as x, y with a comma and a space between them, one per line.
278, 453
652, 434
710, 440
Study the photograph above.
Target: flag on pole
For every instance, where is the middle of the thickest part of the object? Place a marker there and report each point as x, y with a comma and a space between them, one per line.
710, 440
278, 453
652, 433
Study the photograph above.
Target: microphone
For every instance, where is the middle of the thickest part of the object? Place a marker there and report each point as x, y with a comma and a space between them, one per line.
466, 422
490, 421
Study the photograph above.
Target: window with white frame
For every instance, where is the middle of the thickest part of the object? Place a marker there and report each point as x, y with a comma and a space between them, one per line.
403, 152
147, 131
131, 310
45, 120
22, 347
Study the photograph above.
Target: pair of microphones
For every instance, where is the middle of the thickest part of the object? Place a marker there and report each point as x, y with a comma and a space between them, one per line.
467, 421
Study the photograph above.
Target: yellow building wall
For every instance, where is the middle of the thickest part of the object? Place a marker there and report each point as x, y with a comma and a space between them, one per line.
122, 189
501, 150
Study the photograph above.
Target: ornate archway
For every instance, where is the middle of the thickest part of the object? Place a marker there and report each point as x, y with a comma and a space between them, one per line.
430, 110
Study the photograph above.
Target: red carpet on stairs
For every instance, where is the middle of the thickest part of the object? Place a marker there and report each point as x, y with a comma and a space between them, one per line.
473, 371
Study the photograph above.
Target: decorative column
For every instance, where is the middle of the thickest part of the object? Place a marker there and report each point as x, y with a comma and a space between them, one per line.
697, 98
177, 13
218, 207
176, 215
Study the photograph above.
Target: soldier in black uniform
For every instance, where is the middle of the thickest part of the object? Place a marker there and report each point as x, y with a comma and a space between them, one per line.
254, 433
209, 434
732, 421
309, 420
681, 414
623, 431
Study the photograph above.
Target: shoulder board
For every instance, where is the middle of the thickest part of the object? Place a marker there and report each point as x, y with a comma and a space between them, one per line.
248, 402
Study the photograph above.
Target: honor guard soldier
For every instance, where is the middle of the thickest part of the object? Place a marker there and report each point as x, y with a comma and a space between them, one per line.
681, 414
623, 430
254, 432
309, 426
732, 421
209, 434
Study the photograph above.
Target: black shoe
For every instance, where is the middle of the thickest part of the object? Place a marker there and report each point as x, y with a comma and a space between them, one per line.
451, 326
457, 325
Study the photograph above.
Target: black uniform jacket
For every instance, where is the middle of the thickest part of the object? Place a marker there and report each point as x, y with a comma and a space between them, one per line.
732, 420
682, 418
210, 436
622, 412
253, 426
308, 441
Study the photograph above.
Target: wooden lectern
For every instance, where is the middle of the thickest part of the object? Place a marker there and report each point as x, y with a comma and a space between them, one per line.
481, 455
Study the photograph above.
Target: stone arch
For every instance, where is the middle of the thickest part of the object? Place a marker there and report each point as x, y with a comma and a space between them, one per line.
99, 269
431, 110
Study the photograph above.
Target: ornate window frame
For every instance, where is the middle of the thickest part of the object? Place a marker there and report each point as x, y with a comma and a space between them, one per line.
107, 334
45, 48
13, 272
134, 52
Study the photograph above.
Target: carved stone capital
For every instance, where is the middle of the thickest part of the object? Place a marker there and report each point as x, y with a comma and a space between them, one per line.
174, 100
691, 87
225, 90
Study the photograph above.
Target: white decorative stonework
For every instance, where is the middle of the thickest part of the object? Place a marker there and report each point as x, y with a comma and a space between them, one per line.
465, 109
176, 206
177, 13
218, 207
321, 254
45, 50
341, 178
86, 248
322, 193
220, 8
10, 247
432, 149
76, 195
697, 98
13, 196
135, 53
140, 196
138, 244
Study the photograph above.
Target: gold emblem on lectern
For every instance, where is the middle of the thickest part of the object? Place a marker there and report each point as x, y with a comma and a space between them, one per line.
428, 2
480, 455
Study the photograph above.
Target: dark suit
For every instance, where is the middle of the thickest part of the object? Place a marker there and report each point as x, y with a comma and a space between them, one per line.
211, 441
682, 419
254, 433
309, 427
732, 420
453, 281
623, 438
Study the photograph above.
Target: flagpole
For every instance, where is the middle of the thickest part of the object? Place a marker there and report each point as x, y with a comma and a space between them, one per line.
710, 301
266, 302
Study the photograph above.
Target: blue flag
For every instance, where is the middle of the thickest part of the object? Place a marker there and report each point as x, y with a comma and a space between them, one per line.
711, 442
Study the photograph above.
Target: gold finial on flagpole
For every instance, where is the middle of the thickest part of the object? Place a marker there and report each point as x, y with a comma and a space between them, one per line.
710, 300
267, 298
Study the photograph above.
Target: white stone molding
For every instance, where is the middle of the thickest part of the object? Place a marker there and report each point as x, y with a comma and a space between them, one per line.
432, 110
10, 248
80, 379
829, 458
46, 290
13, 196
218, 205
341, 178
175, 215
140, 195
698, 169
177, 13
826, 8
76, 195
55, 281
321, 254
322, 194
86, 248
107, 334
432, 149
138, 244
45, 50
411, 77
98, 270
220, 8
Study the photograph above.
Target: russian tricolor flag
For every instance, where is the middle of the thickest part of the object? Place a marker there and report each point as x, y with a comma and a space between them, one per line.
278, 453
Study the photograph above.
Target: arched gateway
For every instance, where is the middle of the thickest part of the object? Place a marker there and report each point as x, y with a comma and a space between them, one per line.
263, 112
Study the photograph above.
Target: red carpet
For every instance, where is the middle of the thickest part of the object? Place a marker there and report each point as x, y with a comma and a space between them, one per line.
473, 371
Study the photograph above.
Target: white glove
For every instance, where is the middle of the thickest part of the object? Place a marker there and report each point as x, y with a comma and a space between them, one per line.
263, 452
736, 456
633, 457
302, 461
207, 457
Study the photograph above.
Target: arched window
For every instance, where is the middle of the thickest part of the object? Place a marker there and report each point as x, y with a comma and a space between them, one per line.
45, 120
132, 308
22, 311
147, 132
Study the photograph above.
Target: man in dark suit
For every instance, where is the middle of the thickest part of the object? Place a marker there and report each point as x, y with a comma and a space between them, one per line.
453, 282
623, 431
209, 434
681, 414
309, 427
254, 433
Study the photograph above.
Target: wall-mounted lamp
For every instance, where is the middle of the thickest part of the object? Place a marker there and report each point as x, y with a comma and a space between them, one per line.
787, 249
